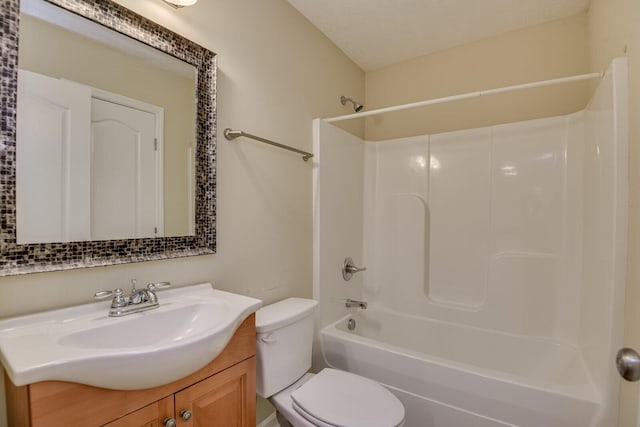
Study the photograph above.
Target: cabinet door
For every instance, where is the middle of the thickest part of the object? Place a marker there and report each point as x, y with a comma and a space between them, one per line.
226, 399
150, 416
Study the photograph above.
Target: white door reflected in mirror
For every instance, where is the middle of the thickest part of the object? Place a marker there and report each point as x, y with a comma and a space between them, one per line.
126, 176
52, 200
89, 163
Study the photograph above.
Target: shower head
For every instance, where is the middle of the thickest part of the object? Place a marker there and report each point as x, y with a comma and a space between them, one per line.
356, 105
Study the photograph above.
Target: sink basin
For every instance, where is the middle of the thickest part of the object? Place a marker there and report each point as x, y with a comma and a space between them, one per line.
82, 344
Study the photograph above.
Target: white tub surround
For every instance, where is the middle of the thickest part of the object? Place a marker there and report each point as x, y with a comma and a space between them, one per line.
496, 262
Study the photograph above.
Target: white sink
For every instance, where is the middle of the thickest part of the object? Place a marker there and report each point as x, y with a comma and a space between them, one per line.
82, 344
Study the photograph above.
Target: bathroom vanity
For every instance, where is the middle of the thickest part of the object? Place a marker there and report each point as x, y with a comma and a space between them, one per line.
222, 393
189, 361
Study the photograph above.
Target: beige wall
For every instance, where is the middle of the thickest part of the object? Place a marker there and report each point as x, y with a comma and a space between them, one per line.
540, 52
276, 73
614, 30
53, 51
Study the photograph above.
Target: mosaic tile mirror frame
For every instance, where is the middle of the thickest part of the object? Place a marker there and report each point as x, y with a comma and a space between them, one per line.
38, 257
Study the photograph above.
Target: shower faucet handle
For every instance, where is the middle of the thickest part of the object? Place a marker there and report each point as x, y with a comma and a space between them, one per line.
349, 269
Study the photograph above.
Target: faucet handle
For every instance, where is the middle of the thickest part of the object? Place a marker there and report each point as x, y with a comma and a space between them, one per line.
118, 298
159, 285
151, 288
104, 294
349, 269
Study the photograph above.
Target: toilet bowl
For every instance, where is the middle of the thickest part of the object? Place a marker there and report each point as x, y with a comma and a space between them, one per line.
330, 398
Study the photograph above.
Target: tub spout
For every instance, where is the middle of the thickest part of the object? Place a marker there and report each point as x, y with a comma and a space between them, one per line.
355, 303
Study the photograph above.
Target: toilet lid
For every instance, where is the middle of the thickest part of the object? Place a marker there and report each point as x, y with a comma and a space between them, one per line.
339, 398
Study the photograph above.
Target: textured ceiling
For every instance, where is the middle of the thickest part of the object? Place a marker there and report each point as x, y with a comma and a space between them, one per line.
377, 33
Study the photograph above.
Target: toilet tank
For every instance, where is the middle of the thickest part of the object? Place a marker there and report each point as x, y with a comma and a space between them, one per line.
284, 336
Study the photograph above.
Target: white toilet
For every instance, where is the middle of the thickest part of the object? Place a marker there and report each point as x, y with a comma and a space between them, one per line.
328, 399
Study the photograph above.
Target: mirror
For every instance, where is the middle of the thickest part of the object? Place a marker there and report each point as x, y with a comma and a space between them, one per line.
121, 164
112, 158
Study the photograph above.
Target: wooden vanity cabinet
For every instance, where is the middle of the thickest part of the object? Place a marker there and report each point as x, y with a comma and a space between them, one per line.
220, 394
219, 400
150, 416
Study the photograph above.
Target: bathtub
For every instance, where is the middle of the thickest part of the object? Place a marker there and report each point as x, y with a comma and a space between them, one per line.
449, 375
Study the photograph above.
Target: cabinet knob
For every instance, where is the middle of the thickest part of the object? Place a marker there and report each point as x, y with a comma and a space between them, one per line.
169, 422
185, 415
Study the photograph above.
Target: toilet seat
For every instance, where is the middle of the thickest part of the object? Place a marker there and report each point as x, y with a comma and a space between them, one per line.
334, 398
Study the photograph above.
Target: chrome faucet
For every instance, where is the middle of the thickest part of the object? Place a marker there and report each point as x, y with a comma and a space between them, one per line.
137, 301
137, 296
355, 303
